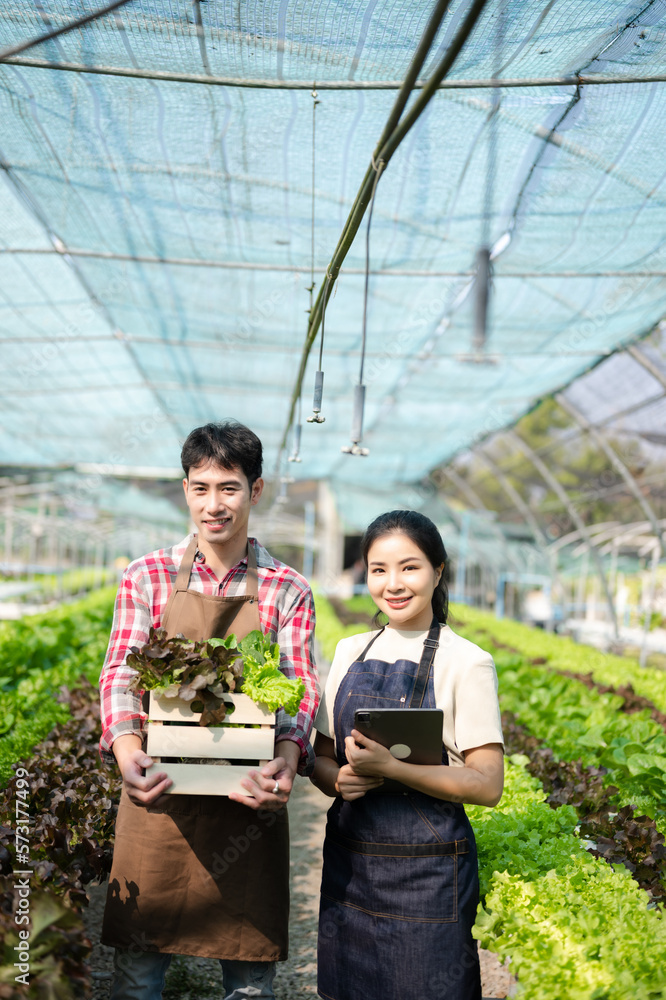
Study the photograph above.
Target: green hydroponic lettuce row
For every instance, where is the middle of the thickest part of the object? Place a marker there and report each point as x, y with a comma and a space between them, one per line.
571, 925
330, 629
579, 723
35, 645
38, 656
563, 653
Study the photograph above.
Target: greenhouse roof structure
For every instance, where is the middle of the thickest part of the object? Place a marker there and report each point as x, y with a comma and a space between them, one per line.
469, 535
173, 194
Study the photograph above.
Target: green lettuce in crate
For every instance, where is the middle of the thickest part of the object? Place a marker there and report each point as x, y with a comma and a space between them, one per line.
202, 672
262, 680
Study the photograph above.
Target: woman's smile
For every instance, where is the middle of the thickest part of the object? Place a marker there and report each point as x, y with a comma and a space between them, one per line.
397, 602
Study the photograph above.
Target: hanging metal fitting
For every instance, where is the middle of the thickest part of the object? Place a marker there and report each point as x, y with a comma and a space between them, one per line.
357, 425
295, 455
282, 495
482, 283
315, 418
481, 299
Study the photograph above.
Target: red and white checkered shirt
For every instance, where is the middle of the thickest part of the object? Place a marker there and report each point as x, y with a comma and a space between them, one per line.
286, 611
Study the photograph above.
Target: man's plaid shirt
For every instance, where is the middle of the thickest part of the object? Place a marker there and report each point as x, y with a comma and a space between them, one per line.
286, 611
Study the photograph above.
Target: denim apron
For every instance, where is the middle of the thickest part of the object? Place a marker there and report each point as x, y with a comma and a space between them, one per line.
399, 889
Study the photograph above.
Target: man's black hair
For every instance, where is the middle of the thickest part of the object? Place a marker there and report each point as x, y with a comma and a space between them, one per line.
228, 444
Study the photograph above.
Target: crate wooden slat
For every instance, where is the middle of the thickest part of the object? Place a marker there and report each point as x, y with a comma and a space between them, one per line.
206, 779
209, 741
226, 742
174, 710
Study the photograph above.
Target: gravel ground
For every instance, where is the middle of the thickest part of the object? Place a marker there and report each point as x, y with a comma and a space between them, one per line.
200, 979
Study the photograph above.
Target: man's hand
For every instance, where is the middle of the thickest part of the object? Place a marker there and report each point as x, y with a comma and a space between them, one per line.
143, 789
260, 784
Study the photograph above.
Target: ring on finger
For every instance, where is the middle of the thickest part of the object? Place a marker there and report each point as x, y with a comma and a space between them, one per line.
276, 788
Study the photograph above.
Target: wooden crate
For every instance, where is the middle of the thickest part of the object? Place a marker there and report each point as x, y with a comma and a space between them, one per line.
224, 742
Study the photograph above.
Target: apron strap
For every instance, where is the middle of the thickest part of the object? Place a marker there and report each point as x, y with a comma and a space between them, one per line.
430, 646
183, 578
252, 579
360, 659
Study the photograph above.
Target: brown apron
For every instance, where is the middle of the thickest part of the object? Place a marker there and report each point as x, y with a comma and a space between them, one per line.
202, 875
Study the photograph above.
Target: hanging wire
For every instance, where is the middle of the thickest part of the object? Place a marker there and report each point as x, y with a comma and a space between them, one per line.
396, 128
483, 257
356, 434
493, 125
315, 417
298, 427
315, 102
201, 36
482, 284
378, 170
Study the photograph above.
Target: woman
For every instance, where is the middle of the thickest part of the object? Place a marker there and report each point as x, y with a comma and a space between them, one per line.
400, 881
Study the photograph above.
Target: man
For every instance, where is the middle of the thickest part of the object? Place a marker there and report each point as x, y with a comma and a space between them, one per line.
205, 875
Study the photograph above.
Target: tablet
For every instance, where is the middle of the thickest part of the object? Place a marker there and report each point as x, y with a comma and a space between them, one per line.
411, 734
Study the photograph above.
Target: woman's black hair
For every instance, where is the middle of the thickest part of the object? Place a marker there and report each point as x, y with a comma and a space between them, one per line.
423, 532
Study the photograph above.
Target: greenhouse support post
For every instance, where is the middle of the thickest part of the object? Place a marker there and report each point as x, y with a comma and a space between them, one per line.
515, 497
649, 608
461, 483
617, 463
461, 562
558, 489
308, 539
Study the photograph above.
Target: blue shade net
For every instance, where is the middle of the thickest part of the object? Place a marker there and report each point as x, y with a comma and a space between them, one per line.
155, 231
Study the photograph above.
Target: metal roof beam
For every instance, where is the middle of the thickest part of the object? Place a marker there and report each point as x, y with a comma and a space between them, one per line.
243, 265
169, 76
649, 365
573, 536
13, 50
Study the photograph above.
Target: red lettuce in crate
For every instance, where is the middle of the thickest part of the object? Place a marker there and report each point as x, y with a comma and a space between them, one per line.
202, 672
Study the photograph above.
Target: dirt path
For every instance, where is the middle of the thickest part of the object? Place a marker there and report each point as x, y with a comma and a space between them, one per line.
200, 979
